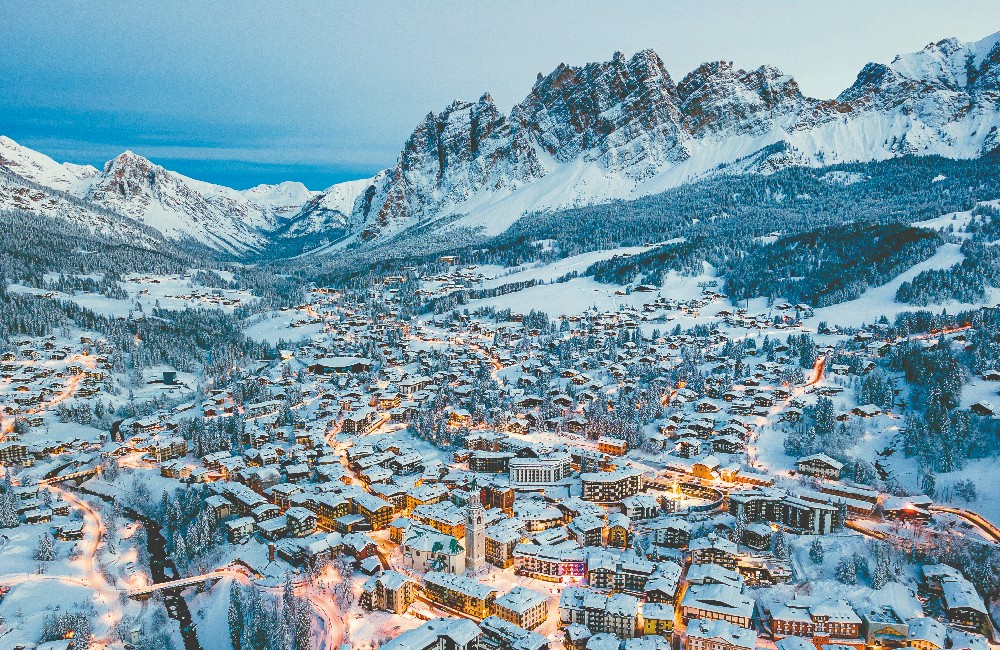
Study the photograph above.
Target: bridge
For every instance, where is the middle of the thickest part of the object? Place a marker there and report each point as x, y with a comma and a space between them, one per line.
182, 583
83, 473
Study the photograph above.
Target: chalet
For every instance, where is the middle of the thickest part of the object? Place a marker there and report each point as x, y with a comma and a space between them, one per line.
611, 446
300, 521
163, 449
984, 408
705, 634
617, 614
390, 592
239, 530
587, 529
706, 407
833, 618
717, 602
706, 467
450, 633
727, 444
670, 532
911, 507
361, 422
688, 447
713, 549
821, 466
866, 410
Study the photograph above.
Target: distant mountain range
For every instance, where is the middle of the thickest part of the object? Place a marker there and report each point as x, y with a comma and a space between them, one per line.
612, 130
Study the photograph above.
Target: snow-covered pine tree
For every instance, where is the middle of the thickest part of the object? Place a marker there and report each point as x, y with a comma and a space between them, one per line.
816, 551
46, 550
846, 572
8, 505
778, 544
928, 483
740, 528
235, 615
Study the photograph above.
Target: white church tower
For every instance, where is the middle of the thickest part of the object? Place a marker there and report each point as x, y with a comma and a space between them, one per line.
475, 534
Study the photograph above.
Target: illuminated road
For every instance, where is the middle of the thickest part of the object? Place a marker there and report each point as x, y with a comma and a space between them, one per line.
69, 388
987, 527
105, 594
332, 620
817, 370
93, 532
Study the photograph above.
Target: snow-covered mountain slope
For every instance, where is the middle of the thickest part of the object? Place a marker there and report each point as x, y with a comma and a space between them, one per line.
327, 212
285, 199
616, 129
623, 128
39, 168
19, 193
181, 208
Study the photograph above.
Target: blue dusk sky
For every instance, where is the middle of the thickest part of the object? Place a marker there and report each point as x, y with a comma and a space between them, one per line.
241, 93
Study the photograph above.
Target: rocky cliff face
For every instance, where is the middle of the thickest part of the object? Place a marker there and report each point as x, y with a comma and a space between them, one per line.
623, 128
624, 113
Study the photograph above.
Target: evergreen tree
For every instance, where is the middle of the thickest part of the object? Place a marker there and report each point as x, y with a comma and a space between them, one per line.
46, 550
966, 489
824, 416
236, 615
740, 528
841, 519
846, 572
816, 551
882, 572
778, 544
928, 484
8, 505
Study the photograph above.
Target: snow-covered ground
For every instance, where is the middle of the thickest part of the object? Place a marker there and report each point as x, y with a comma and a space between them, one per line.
275, 326
497, 276
148, 292
580, 294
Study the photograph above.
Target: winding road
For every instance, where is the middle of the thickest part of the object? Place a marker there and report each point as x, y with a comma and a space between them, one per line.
985, 526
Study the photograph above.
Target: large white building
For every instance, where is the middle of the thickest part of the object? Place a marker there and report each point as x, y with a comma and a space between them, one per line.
539, 471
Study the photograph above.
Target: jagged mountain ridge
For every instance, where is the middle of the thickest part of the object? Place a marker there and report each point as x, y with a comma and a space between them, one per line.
234, 222
624, 128
588, 134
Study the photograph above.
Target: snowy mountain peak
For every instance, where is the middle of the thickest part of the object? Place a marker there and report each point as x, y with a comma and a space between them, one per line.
621, 128
128, 175
326, 214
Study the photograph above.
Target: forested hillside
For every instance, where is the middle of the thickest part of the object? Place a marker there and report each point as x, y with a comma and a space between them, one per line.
829, 265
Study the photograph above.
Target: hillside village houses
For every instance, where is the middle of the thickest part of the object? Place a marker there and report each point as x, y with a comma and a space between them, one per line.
475, 468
